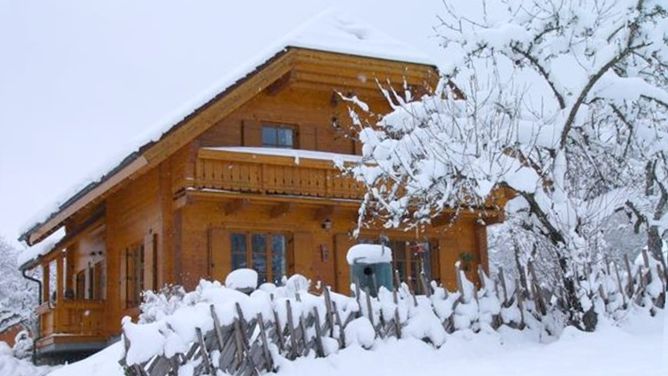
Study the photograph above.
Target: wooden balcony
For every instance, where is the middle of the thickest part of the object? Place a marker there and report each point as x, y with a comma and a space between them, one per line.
71, 322
304, 174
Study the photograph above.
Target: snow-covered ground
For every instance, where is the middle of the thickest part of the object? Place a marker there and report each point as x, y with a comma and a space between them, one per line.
636, 347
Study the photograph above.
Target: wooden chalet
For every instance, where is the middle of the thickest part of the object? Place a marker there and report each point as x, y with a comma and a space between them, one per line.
245, 180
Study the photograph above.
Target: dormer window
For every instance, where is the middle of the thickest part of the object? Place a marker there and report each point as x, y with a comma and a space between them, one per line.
278, 136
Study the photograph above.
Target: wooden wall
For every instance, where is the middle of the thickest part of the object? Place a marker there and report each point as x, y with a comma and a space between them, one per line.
133, 215
312, 112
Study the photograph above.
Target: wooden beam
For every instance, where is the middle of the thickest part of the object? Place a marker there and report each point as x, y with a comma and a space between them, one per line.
323, 213
280, 209
279, 84
234, 206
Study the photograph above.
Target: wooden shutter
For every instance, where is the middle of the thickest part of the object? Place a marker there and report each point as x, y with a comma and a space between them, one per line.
251, 133
342, 243
307, 138
220, 254
304, 248
448, 255
150, 261
124, 277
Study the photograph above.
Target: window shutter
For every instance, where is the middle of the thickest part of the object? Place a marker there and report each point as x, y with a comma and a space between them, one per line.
219, 254
150, 262
307, 138
124, 277
251, 133
342, 243
304, 248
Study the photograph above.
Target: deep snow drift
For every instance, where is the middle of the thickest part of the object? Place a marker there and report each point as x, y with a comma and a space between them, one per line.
635, 347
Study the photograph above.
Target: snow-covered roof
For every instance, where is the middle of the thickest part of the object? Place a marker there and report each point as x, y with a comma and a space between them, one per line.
333, 31
46, 246
297, 154
329, 31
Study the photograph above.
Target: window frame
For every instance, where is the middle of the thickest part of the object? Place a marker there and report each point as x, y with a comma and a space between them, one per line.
276, 128
250, 263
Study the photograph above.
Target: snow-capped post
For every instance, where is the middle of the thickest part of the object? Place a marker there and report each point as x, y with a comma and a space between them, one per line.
620, 286
504, 288
216, 327
294, 352
329, 315
203, 351
319, 348
265, 343
278, 329
630, 288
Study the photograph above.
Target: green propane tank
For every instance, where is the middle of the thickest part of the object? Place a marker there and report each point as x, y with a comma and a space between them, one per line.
371, 267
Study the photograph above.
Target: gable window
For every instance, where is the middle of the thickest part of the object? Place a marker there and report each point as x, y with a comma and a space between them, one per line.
264, 252
278, 136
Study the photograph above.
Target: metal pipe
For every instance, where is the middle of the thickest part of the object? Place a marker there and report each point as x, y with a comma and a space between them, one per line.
39, 302
39, 285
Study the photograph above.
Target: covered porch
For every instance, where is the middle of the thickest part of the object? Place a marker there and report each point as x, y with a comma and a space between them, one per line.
71, 310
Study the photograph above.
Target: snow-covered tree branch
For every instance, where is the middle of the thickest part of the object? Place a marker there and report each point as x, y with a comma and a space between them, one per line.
565, 103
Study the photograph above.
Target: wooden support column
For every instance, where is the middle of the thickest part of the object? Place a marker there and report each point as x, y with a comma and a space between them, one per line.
60, 273
46, 281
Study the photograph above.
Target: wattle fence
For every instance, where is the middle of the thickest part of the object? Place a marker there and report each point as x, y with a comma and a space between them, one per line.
214, 328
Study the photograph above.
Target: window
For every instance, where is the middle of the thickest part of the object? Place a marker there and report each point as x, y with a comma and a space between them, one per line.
263, 252
134, 274
278, 136
410, 258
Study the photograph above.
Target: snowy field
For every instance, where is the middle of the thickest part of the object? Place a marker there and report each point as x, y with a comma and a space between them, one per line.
637, 347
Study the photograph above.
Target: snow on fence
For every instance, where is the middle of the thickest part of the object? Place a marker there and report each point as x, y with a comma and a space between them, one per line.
218, 328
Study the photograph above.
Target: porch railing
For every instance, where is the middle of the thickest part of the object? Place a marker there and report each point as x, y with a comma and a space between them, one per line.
74, 317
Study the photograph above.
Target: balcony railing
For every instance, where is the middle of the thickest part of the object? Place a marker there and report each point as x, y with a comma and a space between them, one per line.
72, 317
308, 175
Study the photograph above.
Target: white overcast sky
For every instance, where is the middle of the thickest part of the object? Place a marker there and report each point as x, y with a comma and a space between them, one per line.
81, 80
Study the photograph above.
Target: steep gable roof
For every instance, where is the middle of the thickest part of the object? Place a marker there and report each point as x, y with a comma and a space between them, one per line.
329, 31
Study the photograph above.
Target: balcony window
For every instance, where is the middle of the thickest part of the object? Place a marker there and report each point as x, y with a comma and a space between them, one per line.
278, 136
